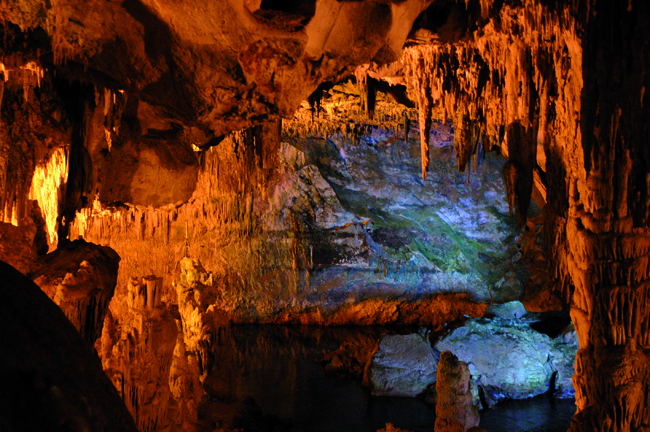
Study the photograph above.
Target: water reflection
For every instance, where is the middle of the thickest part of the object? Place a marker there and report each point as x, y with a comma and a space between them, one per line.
273, 369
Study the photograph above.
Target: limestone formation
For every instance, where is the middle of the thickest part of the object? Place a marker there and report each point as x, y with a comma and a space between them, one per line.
199, 319
139, 354
508, 359
80, 278
17, 246
454, 409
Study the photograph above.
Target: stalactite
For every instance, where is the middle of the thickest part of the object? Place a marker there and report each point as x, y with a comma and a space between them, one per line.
424, 102
47, 188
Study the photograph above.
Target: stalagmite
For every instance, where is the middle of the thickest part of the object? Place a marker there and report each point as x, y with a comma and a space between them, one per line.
454, 409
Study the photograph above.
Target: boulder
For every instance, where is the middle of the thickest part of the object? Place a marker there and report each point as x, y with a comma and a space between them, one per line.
508, 359
510, 310
403, 365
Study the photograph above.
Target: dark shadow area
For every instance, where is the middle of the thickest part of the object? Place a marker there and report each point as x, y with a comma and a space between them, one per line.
306, 8
552, 323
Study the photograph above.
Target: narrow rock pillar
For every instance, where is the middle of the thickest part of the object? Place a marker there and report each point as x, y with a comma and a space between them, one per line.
607, 226
454, 409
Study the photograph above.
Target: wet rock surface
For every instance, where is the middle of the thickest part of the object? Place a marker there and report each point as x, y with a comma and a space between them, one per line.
425, 237
455, 410
403, 365
557, 87
508, 359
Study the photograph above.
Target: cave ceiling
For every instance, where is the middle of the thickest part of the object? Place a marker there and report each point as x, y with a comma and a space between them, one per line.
219, 66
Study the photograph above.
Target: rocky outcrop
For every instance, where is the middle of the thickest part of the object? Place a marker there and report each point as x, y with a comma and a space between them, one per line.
80, 278
562, 92
509, 310
49, 376
317, 259
403, 366
508, 359
559, 87
455, 411
606, 223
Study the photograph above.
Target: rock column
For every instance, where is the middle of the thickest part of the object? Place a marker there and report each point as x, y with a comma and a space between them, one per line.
454, 409
607, 235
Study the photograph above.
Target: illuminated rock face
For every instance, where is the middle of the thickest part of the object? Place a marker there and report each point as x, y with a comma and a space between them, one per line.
80, 278
199, 319
564, 87
140, 354
402, 366
17, 246
607, 224
222, 65
510, 360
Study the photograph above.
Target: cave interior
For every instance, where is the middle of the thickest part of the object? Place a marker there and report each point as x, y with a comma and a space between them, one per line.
456, 180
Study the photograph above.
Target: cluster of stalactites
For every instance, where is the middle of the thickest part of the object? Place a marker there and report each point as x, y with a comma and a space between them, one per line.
18, 72
500, 79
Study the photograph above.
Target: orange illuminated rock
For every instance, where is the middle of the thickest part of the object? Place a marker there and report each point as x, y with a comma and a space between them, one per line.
454, 409
17, 246
135, 104
80, 278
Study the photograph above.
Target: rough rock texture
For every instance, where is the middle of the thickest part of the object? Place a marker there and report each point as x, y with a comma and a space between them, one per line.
80, 278
607, 224
508, 359
402, 366
49, 377
196, 305
454, 409
558, 87
564, 86
439, 235
17, 246
219, 65
143, 354
509, 310
284, 247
